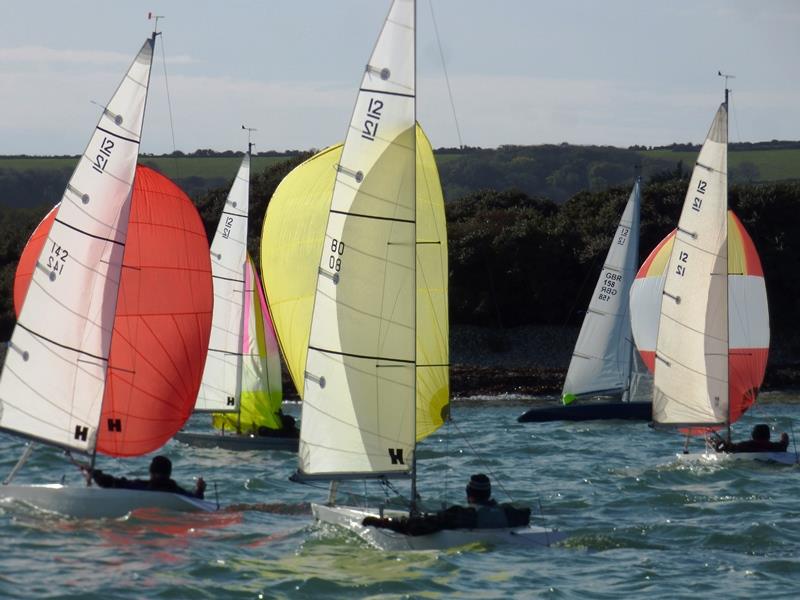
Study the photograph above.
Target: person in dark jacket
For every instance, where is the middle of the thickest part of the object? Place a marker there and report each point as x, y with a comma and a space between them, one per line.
481, 513
759, 442
160, 481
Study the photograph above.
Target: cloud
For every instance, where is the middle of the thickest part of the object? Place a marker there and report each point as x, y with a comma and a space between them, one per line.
492, 110
54, 56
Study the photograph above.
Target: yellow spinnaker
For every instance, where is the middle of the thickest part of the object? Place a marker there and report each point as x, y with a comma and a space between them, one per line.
291, 243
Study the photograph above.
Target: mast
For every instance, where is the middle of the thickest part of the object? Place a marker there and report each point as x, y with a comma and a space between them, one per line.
250, 145
727, 270
632, 349
413, 508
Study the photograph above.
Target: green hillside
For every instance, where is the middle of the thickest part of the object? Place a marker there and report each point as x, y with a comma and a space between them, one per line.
190, 166
770, 165
556, 172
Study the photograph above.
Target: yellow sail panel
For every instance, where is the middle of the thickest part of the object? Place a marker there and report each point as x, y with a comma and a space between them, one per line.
291, 242
433, 354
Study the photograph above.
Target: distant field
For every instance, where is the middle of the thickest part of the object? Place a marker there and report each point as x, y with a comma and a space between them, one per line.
442, 159
205, 167
773, 165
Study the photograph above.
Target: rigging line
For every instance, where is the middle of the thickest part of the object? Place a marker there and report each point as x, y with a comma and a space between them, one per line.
169, 107
446, 77
483, 462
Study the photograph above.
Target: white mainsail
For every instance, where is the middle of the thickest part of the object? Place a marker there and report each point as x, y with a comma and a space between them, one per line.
359, 400
691, 365
601, 362
52, 383
221, 387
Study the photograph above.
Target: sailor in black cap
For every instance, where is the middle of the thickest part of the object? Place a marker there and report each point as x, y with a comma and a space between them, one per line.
479, 490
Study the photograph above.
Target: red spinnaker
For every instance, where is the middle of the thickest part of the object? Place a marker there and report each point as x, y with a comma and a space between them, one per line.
163, 317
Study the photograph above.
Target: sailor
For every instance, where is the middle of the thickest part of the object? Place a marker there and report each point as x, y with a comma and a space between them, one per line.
481, 513
759, 442
160, 481
288, 427
479, 497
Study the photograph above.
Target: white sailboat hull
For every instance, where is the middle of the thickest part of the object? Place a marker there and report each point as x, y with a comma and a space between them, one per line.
351, 518
237, 442
783, 458
98, 503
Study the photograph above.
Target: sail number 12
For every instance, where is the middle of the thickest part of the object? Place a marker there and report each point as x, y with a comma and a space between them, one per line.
370, 128
103, 154
697, 204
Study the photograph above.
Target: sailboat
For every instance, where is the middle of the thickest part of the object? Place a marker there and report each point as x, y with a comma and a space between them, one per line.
602, 362
697, 387
375, 371
242, 377
112, 332
748, 311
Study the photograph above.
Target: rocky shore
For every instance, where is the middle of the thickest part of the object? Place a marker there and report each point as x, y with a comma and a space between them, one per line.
532, 361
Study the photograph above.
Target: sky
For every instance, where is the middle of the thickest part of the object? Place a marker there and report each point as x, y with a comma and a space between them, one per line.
606, 72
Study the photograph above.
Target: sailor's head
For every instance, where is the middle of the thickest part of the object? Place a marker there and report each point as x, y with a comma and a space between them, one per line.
160, 467
761, 432
479, 488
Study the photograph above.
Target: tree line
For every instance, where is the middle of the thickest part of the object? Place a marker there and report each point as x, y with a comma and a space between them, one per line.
517, 259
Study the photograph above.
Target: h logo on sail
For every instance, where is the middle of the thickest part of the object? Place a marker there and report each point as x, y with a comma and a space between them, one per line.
396, 455
81, 432
115, 425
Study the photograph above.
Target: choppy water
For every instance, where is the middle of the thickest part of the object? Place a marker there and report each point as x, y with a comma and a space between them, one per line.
640, 524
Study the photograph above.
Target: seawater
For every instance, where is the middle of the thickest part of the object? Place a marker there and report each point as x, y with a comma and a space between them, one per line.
640, 524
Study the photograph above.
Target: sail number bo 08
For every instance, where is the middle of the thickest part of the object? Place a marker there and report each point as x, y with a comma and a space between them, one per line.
335, 258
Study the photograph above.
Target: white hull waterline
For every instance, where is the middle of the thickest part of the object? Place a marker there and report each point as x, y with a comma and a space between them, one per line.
237, 442
351, 518
783, 458
99, 503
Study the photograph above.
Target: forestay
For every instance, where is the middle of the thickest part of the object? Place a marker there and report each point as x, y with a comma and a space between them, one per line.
360, 375
601, 362
221, 387
691, 362
65, 326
